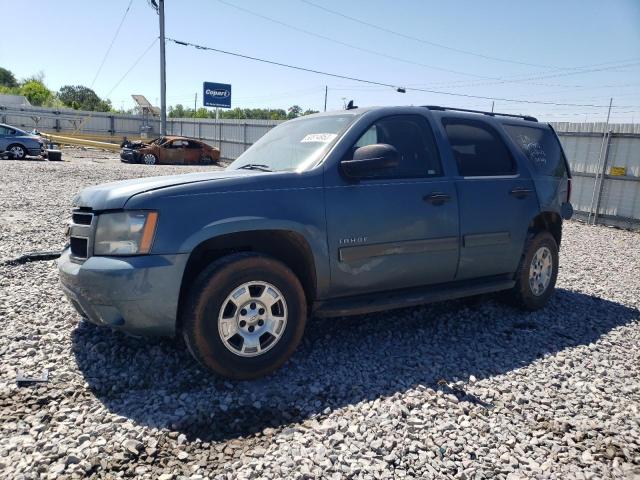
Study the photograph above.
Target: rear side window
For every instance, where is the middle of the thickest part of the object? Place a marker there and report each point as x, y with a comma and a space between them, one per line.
478, 149
541, 147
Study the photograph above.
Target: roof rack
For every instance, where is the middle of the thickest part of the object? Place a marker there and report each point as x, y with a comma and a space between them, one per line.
491, 114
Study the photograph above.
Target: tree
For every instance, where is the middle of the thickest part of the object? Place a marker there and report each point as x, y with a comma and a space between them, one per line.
309, 111
177, 111
201, 113
36, 92
80, 97
7, 79
294, 111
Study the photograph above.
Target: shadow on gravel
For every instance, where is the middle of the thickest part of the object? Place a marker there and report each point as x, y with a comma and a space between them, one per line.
340, 362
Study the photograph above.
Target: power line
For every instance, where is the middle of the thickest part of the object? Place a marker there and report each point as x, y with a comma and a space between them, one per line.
422, 40
104, 59
552, 75
373, 82
350, 45
497, 80
440, 45
133, 66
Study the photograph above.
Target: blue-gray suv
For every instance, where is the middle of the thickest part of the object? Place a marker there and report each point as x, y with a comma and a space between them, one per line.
332, 214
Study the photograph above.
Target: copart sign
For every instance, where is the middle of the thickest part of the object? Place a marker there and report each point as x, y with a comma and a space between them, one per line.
216, 95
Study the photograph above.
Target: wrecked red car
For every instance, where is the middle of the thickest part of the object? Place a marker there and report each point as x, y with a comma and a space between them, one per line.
169, 150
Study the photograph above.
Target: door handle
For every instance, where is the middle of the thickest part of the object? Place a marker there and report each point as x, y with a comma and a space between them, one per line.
520, 192
437, 198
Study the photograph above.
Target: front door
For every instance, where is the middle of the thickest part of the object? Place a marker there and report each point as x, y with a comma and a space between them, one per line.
399, 227
496, 197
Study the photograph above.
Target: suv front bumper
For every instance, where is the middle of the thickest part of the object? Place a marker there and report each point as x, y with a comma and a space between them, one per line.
136, 294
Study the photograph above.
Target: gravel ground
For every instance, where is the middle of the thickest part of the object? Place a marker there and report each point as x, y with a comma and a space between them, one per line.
465, 389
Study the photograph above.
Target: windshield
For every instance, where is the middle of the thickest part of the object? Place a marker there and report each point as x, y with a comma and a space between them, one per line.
295, 145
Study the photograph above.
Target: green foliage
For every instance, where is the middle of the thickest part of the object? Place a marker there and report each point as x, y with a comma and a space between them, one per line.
7, 79
36, 92
254, 113
294, 111
180, 111
177, 112
9, 90
80, 97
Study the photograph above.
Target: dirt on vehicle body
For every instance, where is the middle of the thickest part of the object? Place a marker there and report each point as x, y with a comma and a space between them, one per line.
170, 150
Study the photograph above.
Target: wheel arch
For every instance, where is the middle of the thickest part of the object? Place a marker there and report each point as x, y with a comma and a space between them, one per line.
18, 144
287, 246
550, 222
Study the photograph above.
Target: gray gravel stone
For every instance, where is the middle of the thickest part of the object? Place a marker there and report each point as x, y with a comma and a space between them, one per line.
465, 389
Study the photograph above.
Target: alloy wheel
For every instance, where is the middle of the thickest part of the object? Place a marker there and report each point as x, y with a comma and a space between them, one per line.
540, 271
252, 319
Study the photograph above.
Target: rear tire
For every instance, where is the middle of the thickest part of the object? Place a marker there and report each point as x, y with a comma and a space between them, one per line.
244, 316
538, 272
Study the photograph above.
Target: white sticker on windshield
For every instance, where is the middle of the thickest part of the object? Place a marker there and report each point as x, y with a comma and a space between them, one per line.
319, 137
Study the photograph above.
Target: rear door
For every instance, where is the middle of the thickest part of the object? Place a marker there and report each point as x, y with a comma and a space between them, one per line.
541, 148
193, 153
496, 197
397, 228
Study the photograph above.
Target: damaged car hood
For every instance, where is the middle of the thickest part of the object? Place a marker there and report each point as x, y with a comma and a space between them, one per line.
114, 195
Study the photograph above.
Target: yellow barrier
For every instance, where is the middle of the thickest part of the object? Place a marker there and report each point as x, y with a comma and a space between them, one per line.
83, 142
88, 140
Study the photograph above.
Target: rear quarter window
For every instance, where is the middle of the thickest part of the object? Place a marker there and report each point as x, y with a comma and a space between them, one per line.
541, 147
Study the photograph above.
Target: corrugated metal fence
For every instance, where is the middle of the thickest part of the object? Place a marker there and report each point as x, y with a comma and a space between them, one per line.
232, 136
605, 163
604, 159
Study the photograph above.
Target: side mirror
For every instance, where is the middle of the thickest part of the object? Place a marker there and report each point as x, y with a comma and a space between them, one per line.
371, 159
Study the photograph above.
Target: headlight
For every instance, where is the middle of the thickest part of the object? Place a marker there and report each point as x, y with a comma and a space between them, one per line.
125, 233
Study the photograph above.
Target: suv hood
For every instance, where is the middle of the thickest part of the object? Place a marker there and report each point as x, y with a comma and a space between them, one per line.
114, 195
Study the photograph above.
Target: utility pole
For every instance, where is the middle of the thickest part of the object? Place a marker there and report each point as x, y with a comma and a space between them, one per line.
326, 88
493, 102
195, 106
601, 159
163, 73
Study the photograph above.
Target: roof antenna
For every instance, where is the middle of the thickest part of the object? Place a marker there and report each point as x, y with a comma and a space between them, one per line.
350, 105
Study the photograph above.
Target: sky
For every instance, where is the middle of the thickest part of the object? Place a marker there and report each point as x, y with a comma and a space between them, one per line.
578, 52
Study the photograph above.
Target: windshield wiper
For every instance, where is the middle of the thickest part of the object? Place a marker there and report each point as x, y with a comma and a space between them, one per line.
256, 166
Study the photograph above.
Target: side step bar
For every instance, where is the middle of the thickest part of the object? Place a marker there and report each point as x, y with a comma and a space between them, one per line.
362, 304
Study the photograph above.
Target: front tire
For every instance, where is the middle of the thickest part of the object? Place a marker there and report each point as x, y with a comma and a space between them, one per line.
149, 159
18, 152
536, 278
244, 316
